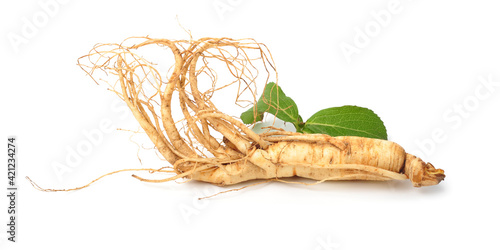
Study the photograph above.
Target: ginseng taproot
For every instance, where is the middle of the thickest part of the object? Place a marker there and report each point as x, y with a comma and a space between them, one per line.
202, 143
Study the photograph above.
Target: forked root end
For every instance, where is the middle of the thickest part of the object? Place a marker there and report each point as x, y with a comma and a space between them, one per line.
421, 173
432, 176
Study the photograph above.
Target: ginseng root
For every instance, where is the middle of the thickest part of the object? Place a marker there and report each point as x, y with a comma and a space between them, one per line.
176, 109
356, 159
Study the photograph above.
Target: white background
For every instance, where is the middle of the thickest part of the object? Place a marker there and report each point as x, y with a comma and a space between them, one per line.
417, 69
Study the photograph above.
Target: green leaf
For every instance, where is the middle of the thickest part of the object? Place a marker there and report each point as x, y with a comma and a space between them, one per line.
346, 121
275, 102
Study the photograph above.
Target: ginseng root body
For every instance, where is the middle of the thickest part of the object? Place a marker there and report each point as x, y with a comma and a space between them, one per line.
328, 158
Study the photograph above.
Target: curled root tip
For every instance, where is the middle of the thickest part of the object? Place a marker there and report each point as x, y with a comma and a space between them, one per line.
40, 188
34, 184
432, 176
421, 173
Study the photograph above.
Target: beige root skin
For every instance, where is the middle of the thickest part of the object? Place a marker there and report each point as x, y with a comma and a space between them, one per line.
173, 105
361, 159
